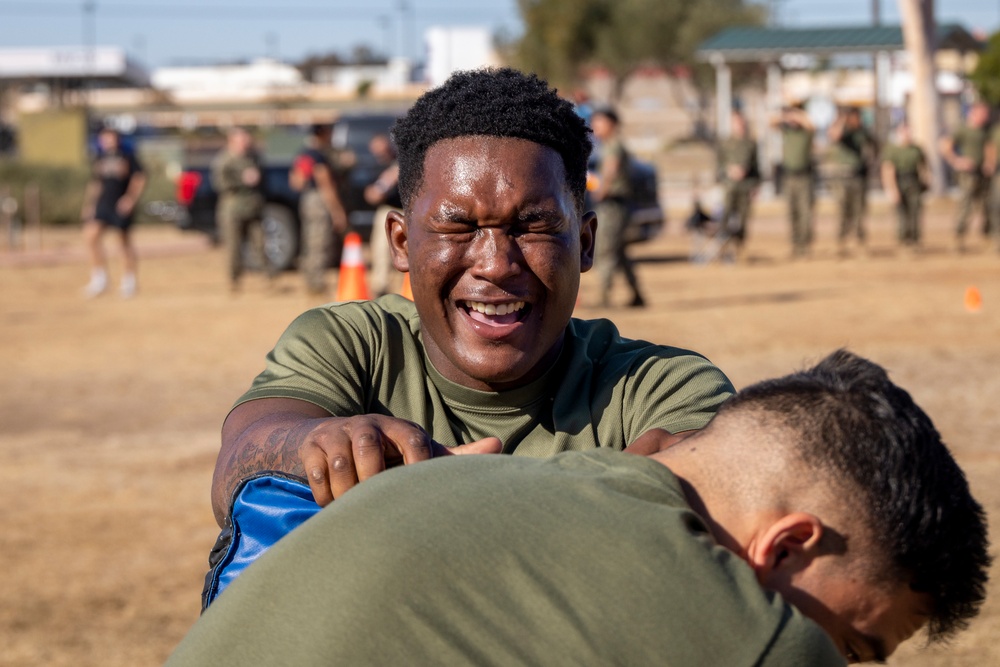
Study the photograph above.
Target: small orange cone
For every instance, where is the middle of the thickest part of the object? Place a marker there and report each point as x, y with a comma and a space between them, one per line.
351, 285
973, 299
405, 291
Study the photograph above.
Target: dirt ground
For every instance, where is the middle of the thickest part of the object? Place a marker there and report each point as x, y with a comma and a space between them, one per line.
111, 408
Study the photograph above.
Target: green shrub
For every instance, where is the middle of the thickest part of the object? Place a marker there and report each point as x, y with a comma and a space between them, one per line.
60, 189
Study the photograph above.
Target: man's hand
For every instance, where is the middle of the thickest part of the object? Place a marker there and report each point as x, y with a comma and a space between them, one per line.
332, 453
339, 452
963, 164
735, 172
125, 205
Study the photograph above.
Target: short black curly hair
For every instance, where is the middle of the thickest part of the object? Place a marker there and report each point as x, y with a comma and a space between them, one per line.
495, 102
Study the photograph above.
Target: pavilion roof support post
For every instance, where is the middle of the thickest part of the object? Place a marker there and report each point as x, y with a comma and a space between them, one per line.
924, 108
772, 138
723, 96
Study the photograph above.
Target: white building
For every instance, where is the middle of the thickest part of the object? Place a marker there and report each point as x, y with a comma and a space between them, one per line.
260, 78
451, 50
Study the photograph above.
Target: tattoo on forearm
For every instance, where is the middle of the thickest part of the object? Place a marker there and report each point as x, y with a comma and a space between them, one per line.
280, 451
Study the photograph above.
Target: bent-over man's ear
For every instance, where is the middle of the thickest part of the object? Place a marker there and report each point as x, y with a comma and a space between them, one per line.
784, 548
395, 230
588, 234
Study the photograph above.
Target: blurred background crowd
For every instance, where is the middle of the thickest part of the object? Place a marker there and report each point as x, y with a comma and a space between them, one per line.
719, 104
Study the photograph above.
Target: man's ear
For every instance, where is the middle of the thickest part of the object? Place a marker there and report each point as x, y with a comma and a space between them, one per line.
588, 232
785, 547
395, 230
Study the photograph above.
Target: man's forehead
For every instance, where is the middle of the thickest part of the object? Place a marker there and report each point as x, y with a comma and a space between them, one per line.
483, 142
452, 157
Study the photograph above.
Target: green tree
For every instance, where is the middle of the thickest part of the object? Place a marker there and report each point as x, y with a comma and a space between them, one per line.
986, 76
563, 36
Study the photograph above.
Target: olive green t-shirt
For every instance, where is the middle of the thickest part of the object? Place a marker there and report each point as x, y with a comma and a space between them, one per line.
905, 159
796, 148
995, 139
740, 152
852, 149
970, 142
604, 391
613, 148
587, 558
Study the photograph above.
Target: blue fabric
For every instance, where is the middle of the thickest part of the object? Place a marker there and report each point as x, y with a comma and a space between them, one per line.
264, 509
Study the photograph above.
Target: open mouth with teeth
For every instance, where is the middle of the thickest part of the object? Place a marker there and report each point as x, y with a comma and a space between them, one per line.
496, 314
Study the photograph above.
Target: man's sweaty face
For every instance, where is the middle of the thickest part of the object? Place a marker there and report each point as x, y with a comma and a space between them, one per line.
495, 247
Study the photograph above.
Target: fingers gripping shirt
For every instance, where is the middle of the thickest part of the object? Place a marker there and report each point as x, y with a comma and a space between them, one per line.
604, 391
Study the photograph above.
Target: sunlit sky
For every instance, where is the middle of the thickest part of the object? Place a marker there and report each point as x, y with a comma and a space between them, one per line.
160, 33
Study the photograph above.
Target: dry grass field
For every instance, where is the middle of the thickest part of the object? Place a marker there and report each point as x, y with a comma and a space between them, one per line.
110, 409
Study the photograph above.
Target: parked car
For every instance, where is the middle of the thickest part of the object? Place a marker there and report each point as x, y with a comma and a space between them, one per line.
281, 224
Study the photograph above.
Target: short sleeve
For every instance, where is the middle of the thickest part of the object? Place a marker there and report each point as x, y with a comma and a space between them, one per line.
675, 390
325, 357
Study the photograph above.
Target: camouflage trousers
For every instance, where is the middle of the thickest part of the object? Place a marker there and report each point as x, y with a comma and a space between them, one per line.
318, 240
851, 198
801, 199
610, 255
736, 210
972, 191
239, 220
909, 210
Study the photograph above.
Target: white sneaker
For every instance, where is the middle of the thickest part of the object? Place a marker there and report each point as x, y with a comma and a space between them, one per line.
96, 287
129, 286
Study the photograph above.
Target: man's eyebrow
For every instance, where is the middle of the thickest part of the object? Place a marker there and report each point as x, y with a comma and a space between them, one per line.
450, 213
539, 211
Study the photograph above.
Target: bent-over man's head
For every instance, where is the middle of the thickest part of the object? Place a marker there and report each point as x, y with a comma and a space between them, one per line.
492, 175
837, 489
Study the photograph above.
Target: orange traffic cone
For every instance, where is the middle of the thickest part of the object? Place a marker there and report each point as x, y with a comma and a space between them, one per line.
351, 285
405, 291
973, 299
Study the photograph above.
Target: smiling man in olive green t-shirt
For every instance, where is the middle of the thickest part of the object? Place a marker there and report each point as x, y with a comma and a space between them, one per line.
488, 357
494, 235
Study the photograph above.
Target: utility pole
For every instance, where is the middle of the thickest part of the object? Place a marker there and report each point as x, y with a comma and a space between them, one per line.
925, 111
89, 46
878, 77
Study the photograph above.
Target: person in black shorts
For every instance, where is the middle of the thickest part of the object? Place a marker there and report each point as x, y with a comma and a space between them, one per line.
116, 181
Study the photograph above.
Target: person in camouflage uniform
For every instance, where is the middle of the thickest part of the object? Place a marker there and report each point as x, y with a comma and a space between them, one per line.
797, 131
992, 171
965, 151
904, 178
324, 220
740, 175
611, 199
852, 148
236, 176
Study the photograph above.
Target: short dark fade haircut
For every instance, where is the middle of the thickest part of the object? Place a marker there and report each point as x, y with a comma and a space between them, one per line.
494, 102
607, 112
854, 423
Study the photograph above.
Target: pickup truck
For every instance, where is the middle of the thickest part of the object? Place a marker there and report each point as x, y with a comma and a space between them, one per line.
197, 198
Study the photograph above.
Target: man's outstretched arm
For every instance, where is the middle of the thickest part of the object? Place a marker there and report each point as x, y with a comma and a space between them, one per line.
260, 435
331, 453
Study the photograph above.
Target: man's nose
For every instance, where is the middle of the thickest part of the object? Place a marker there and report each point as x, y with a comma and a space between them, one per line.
496, 254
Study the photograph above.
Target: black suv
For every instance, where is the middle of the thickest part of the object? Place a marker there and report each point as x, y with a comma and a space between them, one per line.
281, 224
